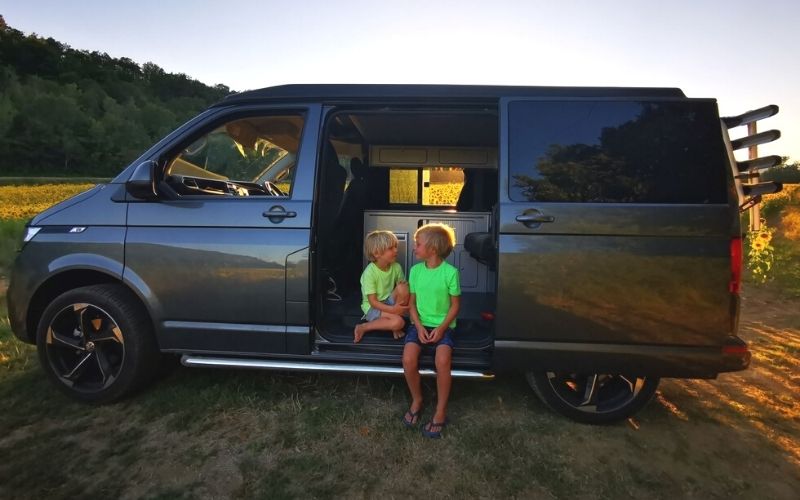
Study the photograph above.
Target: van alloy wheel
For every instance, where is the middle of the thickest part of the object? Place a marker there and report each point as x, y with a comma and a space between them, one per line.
85, 347
96, 343
593, 398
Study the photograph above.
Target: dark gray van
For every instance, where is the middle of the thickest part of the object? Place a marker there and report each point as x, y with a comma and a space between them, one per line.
598, 240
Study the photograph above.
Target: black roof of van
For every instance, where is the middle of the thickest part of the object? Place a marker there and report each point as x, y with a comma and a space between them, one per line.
350, 92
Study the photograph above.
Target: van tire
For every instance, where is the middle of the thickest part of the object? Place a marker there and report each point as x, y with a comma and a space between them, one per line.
97, 344
613, 397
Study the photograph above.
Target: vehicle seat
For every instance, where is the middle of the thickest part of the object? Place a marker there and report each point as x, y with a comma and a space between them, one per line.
479, 192
481, 247
356, 193
351, 226
331, 193
467, 195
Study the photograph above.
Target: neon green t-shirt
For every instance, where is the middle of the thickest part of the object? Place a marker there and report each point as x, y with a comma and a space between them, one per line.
433, 288
381, 283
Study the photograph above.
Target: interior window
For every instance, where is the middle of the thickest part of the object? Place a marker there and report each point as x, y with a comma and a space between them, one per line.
429, 186
403, 186
243, 157
441, 186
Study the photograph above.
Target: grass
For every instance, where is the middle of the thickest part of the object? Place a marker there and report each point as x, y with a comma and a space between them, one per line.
787, 265
242, 434
200, 433
10, 240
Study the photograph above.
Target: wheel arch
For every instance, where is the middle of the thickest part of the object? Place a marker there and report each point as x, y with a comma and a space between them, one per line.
67, 280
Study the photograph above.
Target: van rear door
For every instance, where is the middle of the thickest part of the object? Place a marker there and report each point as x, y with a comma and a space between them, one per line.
614, 222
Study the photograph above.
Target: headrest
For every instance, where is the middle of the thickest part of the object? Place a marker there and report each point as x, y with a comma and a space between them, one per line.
357, 167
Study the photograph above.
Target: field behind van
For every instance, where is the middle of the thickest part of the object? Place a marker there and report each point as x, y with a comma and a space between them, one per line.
202, 433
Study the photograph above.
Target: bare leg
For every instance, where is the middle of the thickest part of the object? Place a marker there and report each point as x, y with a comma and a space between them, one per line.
359, 331
384, 322
401, 294
411, 353
444, 380
397, 326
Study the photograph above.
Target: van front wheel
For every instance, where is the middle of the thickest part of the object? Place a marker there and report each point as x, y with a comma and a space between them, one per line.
96, 343
593, 398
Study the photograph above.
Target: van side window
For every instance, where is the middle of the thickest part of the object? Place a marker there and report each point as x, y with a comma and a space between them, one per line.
616, 152
256, 155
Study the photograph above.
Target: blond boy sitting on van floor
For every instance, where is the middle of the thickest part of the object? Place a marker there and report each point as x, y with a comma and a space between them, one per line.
435, 301
384, 290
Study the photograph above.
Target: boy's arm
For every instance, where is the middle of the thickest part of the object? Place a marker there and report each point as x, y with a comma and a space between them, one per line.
438, 332
377, 304
455, 306
412, 310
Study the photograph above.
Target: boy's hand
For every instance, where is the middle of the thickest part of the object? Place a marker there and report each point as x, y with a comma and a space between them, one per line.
422, 333
436, 334
400, 309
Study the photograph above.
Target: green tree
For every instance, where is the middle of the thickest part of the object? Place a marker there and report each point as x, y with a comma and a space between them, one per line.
72, 112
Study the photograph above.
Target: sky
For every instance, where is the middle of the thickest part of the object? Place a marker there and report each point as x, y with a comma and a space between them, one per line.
743, 53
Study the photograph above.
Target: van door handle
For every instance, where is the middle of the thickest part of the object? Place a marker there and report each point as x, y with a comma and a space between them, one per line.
278, 213
535, 218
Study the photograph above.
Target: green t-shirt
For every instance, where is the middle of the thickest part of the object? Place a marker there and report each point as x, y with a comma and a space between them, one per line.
380, 283
433, 288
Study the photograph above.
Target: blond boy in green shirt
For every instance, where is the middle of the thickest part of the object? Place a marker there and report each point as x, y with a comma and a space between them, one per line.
435, 301
384, 290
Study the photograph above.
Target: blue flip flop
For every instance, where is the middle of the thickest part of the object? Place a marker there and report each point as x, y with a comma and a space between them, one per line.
427, 432
411, 422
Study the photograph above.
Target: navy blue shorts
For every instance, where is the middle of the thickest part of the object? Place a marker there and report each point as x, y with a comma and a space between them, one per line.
413, 336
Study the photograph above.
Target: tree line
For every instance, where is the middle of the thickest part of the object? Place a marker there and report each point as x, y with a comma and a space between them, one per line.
67, 112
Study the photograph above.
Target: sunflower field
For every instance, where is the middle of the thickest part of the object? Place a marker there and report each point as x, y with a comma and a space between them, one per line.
774, 250
23, 202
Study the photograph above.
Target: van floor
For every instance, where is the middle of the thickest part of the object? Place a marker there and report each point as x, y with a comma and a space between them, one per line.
472, 331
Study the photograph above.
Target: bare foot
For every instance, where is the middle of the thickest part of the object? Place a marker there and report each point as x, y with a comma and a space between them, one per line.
358, 334
398, 334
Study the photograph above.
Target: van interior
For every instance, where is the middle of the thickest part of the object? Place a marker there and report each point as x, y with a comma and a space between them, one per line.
397, 170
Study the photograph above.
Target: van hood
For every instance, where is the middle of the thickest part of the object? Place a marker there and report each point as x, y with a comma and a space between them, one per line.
78, 198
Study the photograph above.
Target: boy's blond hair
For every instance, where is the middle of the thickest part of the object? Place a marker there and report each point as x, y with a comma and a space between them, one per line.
378, 242
440, 237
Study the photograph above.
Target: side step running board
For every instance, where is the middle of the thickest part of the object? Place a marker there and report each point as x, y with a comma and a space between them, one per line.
263, 364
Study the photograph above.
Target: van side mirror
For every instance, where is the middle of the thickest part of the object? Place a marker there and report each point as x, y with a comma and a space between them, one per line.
142, 183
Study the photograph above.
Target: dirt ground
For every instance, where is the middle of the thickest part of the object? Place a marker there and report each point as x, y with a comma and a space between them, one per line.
745, 424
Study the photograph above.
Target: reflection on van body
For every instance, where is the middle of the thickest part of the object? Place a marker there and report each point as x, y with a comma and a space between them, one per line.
615, 289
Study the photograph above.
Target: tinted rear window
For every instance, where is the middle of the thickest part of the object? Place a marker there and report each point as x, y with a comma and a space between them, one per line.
616, 152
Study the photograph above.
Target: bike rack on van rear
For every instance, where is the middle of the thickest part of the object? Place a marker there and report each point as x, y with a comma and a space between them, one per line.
750, 194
